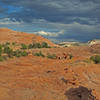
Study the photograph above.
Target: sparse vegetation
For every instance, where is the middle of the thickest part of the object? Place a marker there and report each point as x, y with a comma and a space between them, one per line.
51, 56
39, 54
19, 53
95, 59
45, 45
2, 58
0, 50
24, 53
7, 43
70, 56
38, 45
7, 50
23, 46
14, 43
87, 61
30, 46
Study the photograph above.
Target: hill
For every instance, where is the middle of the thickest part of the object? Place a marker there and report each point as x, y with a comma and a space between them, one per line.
21, 37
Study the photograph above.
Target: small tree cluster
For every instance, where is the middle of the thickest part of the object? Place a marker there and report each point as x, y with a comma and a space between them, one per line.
38, 45
0, 50
39, 54
51, 56
19, 53
95, 59
24, 46
8, 51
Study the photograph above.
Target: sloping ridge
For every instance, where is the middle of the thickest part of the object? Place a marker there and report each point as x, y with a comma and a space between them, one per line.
21, 37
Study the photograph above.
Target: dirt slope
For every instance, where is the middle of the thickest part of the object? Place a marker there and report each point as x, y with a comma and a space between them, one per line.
21, 37
37, 78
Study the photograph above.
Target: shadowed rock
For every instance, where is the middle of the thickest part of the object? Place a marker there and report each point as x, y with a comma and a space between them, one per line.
80, 93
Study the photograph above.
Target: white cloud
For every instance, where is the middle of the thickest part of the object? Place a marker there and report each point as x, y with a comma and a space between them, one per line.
50, 34
7, 21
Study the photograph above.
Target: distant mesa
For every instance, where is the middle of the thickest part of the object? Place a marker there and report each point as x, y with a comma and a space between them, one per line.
95, 41
69, 44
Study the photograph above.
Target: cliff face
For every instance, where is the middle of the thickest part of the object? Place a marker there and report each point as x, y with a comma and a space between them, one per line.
21, 37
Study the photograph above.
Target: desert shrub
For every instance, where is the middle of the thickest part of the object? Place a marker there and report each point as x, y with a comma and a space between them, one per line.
66, 46
87, 61
8, 51
39, 54
1, 58
4, 57
7, 43
17, 53
0, 50
45, 45
24, 53
95, 59
37, 45
70, 56
13, 43
51, 56
30, 46
23, 46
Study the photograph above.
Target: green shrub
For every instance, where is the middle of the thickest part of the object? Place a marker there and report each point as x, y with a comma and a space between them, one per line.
0, 50
37, 45
51, 56
14, 43
8, 51
70, 56
95, 59
30, 46
1, 58
23, 46
24, 53
4, 57
7, 43
39, 54
87, 61
44, 45
17, 53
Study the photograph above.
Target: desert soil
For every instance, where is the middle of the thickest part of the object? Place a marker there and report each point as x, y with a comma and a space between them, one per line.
38, 78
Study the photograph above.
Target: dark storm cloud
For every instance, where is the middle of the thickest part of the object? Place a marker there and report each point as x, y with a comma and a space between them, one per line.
63, 11
2, 10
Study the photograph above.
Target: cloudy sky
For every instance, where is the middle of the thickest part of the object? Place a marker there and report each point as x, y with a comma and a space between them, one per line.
58, 20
